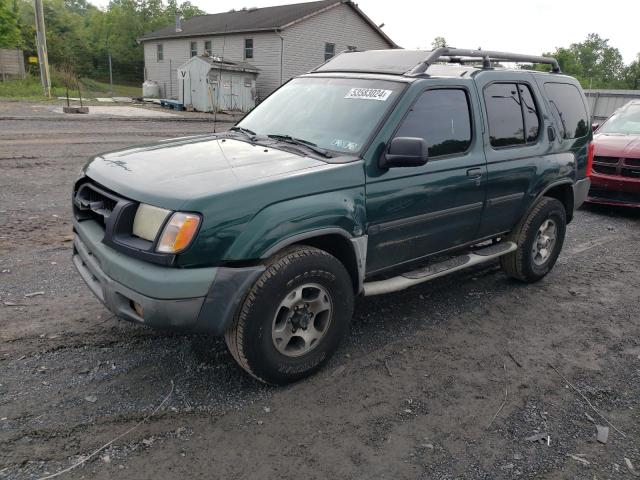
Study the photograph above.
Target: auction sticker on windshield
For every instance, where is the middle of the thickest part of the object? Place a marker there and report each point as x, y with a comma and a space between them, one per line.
369, 94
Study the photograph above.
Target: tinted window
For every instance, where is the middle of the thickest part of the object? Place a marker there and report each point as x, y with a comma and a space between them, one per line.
530, 113
568, 109
442, 118
506, 126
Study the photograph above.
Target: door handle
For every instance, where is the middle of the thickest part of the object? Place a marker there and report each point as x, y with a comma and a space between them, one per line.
474, 173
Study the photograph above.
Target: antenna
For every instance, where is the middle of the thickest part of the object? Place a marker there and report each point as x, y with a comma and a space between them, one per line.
215, 110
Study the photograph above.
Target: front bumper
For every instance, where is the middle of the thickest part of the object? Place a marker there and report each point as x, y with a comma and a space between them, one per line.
199, 299
614, 190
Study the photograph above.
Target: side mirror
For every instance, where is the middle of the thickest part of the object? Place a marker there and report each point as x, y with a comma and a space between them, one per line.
405, 152
594, 126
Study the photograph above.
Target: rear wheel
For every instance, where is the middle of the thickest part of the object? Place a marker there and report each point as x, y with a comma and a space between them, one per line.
539, 237
294, 316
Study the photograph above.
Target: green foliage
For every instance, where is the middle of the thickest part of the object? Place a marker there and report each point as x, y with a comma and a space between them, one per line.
439, 42
9, 28
631, 74
30, 87
595, 63
81, 36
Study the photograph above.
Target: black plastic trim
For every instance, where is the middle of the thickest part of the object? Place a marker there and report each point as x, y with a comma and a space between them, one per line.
425, 217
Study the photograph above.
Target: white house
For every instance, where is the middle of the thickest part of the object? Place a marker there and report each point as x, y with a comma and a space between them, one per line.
281, 42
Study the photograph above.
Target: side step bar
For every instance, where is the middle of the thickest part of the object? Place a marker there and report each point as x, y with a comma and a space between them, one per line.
409, 279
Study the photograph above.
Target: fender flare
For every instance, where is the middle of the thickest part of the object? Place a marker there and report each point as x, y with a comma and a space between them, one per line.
358, 245
566, 181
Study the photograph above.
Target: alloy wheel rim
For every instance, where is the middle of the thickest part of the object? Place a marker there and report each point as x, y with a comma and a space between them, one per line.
544, 242
301, 320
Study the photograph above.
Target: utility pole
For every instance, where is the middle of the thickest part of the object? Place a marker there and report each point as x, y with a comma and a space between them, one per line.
41, 39
110, 75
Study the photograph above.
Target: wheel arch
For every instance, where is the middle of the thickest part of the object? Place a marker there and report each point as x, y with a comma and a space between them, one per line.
563, 192
349, 250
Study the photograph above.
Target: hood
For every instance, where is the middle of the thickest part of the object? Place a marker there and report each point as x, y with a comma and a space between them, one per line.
616, 145
169, 173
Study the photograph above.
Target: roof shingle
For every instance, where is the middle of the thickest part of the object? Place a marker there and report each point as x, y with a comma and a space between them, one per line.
249, 20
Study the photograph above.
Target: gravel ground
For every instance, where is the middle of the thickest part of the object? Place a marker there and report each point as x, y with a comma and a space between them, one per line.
412, 393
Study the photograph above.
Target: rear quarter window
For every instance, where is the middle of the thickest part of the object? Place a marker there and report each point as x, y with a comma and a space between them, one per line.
568, 109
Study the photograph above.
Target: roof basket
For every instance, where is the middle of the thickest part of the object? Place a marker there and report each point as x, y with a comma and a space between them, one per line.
459, 55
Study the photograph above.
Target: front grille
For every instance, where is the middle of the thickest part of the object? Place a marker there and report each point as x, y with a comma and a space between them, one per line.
604, 169
625, 167
609, 160
629, 172
91, 201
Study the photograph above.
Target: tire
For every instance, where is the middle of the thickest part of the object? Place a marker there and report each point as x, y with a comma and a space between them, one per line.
304, 292
528, 263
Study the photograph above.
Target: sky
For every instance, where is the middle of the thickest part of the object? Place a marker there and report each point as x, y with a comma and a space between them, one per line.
528, 27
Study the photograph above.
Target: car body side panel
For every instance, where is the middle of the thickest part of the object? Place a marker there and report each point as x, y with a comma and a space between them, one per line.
243, 224
339, 212
416, 211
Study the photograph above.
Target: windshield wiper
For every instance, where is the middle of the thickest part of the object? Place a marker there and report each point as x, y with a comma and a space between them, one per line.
299, 141
246, 131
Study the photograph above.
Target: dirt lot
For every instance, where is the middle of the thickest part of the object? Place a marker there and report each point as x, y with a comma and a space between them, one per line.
411, 394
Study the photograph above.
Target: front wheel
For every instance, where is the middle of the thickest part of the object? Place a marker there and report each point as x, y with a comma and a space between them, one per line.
294, 316
539, 237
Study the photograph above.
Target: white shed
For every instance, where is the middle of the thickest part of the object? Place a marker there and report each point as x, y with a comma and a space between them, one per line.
210, 83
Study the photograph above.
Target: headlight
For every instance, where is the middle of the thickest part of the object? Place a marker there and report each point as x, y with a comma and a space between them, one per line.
148, 221
178, 232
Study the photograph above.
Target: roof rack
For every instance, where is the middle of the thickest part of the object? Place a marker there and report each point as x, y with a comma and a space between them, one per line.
454, 55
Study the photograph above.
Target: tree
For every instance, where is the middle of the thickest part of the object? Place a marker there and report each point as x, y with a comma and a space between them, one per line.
594, 62
439, 42
9, 27
631, 74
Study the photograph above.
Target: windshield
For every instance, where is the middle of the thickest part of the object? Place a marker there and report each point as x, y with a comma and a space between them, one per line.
336, 114
626, 121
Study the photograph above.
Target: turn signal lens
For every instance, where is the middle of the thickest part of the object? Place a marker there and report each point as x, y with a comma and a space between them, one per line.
178, 233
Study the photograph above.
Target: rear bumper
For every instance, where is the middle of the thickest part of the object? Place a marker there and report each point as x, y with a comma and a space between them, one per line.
614, 190
580, 192
198, 299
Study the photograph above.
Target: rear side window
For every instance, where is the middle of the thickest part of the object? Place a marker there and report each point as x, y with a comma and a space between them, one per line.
568, 109
442, 118
512, 114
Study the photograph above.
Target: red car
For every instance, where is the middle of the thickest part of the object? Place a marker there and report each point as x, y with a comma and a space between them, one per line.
615, 171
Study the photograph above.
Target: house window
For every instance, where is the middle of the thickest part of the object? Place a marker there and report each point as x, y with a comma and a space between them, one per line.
329, 50
194, 49
248, 48
207, 48
159, 52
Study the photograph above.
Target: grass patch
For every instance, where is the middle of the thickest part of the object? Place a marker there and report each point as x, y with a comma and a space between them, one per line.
30, 89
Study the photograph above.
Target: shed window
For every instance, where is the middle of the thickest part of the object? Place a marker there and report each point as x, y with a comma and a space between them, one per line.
329, 50
159, 52
194, 49
248, 48
207, 47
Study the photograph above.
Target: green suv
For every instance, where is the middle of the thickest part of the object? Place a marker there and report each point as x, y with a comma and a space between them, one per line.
377, 171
